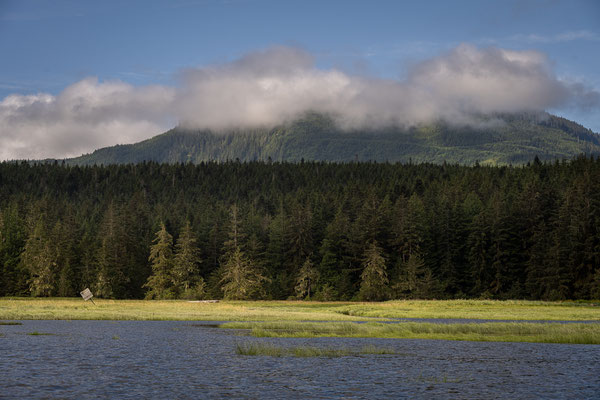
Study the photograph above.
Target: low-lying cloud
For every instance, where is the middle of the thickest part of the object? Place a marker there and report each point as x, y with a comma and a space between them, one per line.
83, 117
273, 86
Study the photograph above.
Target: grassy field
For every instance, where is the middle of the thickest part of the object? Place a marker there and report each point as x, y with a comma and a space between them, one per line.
483, 332
334, 319
76, 308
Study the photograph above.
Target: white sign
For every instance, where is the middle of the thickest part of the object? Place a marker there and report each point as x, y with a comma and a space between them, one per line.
86, 294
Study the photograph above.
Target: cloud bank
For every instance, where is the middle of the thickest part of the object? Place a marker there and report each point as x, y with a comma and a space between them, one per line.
275, 85
85, 116
270, 87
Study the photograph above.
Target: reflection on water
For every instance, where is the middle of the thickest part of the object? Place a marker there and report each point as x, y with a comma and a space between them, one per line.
151, 359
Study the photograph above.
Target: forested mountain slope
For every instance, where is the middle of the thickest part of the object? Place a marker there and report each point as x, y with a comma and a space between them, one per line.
498, 140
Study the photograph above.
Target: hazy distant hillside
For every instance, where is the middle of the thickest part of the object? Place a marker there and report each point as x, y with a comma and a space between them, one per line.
504, 139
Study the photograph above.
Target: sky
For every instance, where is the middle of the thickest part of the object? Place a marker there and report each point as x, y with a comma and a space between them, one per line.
79, 75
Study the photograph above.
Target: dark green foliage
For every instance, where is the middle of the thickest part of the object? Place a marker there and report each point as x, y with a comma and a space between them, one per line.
185, 274
494, 140
306, 280
40, 259
161, 283
13, 275
241, 277
112, 279
444, 231
373, 280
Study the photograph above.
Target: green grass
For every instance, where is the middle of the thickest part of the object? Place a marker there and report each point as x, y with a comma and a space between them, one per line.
36, 333
477, 309
270, 350
174, 310
181, 310
485, 332
283, 318
10, 323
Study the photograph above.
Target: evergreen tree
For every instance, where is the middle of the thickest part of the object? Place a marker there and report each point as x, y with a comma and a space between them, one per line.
479, 243
63, 242
137, 234
39, 258
275, 255
186, 278
111, 278
409, 277
13, 274
160, 283
408, 231
299, 236
306, 280
374, 280
240, 278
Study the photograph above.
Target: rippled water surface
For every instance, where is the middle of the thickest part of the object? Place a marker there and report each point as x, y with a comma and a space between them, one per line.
150, 359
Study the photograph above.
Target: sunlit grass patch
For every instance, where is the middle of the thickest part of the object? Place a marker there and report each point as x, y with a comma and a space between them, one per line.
258, 349
271, 350
476, 309
488, 332
157, 310
181, 310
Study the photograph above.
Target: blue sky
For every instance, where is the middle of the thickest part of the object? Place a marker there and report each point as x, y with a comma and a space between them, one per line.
48, 46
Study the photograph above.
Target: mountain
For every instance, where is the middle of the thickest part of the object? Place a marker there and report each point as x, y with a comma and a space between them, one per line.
495, 140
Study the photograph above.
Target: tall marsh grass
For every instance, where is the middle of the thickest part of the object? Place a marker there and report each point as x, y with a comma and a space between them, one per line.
271, 350
494, 331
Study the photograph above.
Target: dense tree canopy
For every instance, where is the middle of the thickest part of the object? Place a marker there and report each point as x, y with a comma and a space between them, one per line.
283, 230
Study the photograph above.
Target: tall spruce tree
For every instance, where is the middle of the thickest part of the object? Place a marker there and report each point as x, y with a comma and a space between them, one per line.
39, 257
185, 275
374, 280
240, 278
112, 280
160, 283
306, 280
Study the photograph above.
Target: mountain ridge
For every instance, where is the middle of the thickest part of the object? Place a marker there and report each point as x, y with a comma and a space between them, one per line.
497, 140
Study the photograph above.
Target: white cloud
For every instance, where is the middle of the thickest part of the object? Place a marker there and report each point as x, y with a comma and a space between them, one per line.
276, 85
273, 86
85, 116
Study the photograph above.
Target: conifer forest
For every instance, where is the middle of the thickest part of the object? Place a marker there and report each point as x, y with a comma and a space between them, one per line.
308, 230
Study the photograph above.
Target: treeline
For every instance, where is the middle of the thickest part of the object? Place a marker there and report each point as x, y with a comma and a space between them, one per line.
308, 230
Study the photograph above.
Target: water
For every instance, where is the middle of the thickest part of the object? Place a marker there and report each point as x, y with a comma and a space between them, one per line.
176, 359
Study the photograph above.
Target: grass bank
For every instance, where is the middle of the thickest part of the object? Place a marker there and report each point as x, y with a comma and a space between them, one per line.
485, 332
76, 308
